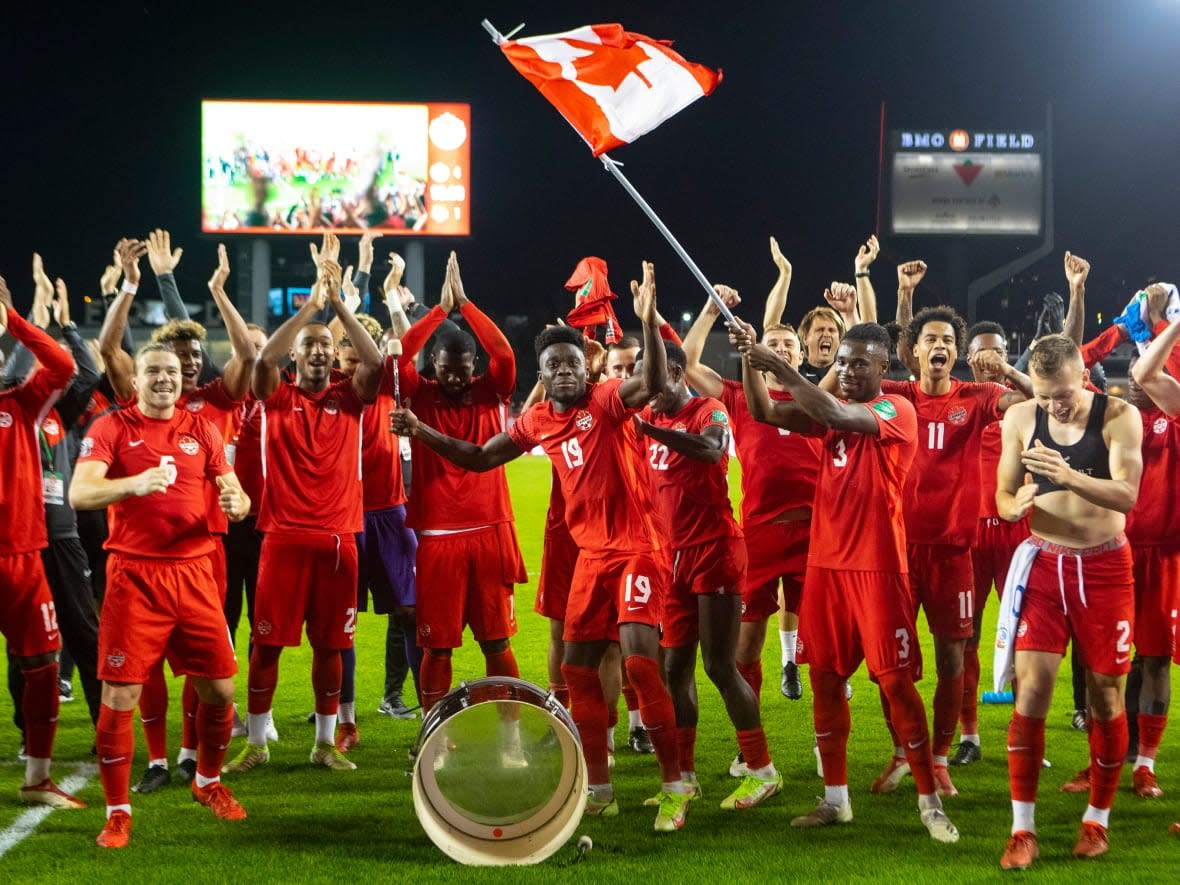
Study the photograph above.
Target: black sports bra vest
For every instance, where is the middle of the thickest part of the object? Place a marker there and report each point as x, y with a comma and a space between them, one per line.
1088, 455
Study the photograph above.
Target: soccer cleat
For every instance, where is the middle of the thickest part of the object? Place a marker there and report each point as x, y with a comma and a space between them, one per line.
396, 709
825, 814
1143, 779
694, 792
792, 687
1079, 783
939, 825
891, 777
49, 793
250, 757
116, 833
220, 800
847, 690
347, 736
326, 754
639, 741
601, 807
673, 810
1092, 840
512, 756
272, 733
751, 791
1020, 851
186, 770
1080, 721
942, 782
738, 767
155, 778
1174, 829
967, 753
65, 691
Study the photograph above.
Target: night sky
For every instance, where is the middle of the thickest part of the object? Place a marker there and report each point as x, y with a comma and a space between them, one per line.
101, 135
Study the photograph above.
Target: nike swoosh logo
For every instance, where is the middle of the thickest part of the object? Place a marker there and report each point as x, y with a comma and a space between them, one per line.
914, 746
1120, 661
133, 444
634, 608
106, 761
52, 636
257, 690
1012, 749
823, 734
1102, 764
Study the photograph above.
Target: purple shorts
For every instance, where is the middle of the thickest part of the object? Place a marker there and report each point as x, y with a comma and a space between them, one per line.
387, 550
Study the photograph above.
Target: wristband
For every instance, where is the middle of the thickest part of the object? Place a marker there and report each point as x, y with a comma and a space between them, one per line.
863, 273
129, 288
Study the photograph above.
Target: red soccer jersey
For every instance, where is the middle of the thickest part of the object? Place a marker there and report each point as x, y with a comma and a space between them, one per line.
446, 496
247, 449
597, 472
942, 492
991, 444
213, 403
22, 409
856, 521
175, 524
691, 497
779, 468
381, 460
1155, 518
311, 445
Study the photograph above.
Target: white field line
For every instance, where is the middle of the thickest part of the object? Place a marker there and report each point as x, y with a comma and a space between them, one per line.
24, 825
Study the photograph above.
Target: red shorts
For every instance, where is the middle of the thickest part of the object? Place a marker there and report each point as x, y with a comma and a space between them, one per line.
217, 563
942, 581
774, 550
612, 590
1089, 597
156, 608
992, 554
305, 577
558, 558
850, 616
28, 619
467, 579
714, 567
1157, 597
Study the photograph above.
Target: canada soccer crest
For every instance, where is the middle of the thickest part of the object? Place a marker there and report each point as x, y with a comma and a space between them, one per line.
50, 427
116, 659
188, 445
1160, 425
195, 405
331, 407
957, 416
584, 420
680, 427
264, 628
5, 419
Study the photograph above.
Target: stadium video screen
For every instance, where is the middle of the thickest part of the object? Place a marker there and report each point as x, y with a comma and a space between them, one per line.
298, 167
965, 182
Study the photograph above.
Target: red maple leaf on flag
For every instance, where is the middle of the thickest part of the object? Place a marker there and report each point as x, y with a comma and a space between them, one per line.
609, 65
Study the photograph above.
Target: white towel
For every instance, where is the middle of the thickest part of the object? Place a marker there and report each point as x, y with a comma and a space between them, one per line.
1003, 664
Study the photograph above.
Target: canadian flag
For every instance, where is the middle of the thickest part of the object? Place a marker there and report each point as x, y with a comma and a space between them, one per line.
610, 84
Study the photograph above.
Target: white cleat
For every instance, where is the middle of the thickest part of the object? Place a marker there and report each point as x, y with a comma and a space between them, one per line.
939, 825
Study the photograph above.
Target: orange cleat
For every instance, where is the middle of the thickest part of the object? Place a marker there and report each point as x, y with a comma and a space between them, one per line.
1020, 851
891, 776
347, 736
49, 793
1092, 840
1079, 783
117, 831
942, 782
220, 800
1143, 779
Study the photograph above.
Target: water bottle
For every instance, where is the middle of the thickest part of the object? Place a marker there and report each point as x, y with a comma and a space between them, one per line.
997, 697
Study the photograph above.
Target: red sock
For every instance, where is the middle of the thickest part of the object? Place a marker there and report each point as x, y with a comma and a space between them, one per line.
434, 679
153, 713
502, 663
213, 724
686, 745
561, 692
969, 714
630, 697
263, 677
114, 739
39, 704
888, 717
1108, 750
752, 673
833, 722
327, 672
909, 723
754, 748
188, 729
1026, 749
588, 708
1151, 732
948, 703
655, 707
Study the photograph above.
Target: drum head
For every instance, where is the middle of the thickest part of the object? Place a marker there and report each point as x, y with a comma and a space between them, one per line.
499, 776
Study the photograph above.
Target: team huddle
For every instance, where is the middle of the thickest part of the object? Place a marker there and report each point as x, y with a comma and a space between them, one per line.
869, 491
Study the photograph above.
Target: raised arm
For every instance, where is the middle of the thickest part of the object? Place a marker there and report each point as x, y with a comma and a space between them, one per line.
367, 379
776, 299
239, 370
706, 381
866, 296
1077, 269
641, 387
278, 347
498, 450
118, 362
1149, 374
162, 259
909, 275
501, 359
841, 297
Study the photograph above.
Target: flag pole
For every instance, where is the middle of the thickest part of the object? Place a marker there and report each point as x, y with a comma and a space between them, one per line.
613, 168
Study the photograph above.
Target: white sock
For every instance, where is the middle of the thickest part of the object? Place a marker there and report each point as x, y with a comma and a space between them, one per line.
939, 760
789, 640
1023, 816
185, 754
602, 792
347, 713
970, 738
634, 720
679, 786
325, 728
1097, 816
163, 763
836, 795
766, 773
510, 732
899, 752
111, 809
256, 728
203, 781
927, 801
1145, 762
36, 770
610, 740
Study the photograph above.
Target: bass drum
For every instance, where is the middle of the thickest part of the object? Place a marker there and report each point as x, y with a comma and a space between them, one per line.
499, 774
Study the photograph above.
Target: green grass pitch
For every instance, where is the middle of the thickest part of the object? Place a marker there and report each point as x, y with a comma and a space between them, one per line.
314, 825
